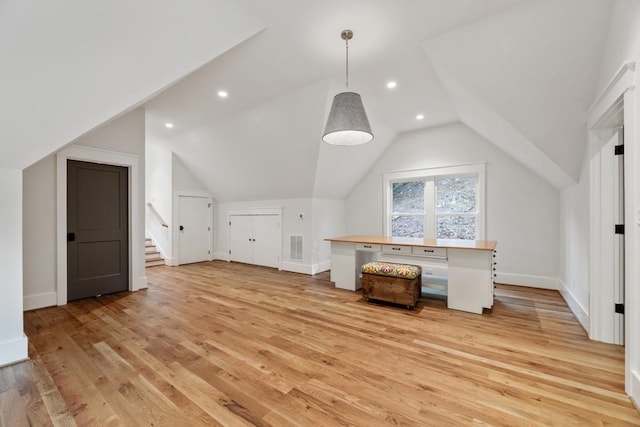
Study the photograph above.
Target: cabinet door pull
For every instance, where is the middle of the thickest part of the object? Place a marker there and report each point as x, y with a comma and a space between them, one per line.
428, 250
396, 249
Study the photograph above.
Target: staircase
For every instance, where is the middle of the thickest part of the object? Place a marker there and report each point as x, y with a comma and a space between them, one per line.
152, 256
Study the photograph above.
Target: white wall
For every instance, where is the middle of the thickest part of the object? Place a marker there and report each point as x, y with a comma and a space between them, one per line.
292, 224
182, 177
128, 52
39, 233
623, 40
13, 343
522, 209
574, 240
623, 45
165, 172
158, 184
125, 134
329, 218
321, 218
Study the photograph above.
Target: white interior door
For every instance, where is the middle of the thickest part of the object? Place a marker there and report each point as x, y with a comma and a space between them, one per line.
194, 230
241, 238
610, 250
267, 240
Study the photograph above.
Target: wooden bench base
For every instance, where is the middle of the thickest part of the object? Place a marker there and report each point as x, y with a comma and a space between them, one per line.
392, 289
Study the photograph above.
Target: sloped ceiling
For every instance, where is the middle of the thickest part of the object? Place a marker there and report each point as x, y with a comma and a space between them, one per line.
536, 66
520, 72
68, 66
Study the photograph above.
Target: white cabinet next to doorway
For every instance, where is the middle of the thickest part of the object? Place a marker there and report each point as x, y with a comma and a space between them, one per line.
255, 238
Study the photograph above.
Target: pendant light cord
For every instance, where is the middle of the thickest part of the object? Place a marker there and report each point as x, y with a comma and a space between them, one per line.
346, 42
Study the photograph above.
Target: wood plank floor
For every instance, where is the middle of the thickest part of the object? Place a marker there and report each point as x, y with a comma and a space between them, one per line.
233, 345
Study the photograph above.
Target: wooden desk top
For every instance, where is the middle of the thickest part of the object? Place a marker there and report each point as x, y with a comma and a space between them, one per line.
483, 245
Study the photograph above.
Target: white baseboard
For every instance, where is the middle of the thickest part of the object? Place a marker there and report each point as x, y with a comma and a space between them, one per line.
635, 388
540, 282
296, 267
221, 256
47, 299
321, 267
578, 310
14, 351
172, 262
140, 283
309, 269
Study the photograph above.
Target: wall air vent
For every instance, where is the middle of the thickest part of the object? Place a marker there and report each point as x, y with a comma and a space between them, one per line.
296, 248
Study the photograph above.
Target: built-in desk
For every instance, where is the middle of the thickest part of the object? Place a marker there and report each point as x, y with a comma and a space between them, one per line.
465, 265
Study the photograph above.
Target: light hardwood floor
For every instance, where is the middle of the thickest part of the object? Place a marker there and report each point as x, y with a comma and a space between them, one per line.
229, 344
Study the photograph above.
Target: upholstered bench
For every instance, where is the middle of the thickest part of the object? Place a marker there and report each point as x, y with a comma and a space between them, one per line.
391, 282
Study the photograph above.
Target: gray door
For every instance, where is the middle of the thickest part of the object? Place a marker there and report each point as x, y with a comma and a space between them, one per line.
98, 229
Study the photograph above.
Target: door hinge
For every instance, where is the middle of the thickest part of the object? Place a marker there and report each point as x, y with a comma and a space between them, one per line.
619, 308
229, 251
209, 252
208, 228
619, 229
229, 223
209, 205
619, 150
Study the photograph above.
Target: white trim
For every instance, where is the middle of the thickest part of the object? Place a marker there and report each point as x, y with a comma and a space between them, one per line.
574, 305
622, 80
31, 302
13, 351
137, 278
221, 256
540, 282
309, 269
478, 168
295, 267
635, 387
175, 236
321, 267
622, 87
256, 212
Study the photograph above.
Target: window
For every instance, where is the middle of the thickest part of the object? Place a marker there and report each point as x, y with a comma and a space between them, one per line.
445, 203
408, 209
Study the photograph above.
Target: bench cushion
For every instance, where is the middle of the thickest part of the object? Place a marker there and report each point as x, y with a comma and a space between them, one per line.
405, 271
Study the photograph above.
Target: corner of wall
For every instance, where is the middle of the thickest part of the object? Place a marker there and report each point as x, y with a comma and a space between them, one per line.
574, 305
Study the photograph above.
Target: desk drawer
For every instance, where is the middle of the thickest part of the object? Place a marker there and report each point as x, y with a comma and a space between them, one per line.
396, 250
429, 252
369, 247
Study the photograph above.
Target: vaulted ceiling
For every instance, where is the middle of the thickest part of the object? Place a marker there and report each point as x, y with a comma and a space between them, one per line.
522, 73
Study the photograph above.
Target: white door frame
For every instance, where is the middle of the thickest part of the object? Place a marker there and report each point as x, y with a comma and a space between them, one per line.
620, 97
175, 213
137, 278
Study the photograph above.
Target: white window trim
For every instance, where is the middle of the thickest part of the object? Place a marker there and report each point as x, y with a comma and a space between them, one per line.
478, 169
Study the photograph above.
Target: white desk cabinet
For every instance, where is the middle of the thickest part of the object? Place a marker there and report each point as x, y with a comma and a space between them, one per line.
470, 280
467, 265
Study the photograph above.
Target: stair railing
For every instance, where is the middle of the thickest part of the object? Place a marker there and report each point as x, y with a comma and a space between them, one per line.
156, 215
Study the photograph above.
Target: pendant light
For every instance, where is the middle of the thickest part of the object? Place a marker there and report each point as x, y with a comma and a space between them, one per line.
347, 123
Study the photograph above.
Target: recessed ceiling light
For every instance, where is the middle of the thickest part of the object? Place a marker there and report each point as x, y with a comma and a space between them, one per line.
168, 125
420, 117
392, 85
223, 94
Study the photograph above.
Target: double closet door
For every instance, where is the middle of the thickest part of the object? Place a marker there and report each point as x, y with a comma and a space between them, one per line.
255, 239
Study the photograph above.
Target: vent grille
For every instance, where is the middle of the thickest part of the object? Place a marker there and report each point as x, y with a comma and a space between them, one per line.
296, 247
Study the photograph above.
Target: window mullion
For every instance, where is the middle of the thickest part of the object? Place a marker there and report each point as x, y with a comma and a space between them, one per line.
429, 208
